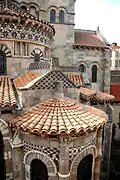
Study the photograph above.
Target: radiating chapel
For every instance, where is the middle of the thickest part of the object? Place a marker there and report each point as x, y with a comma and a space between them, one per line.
50, 75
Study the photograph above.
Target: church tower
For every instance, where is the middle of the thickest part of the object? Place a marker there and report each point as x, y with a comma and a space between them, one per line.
61, 14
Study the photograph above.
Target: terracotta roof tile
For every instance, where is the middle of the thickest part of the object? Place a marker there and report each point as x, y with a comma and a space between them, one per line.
77, 79
104, 96
95, 95
7, 96
56, 117
89, 39
24, 79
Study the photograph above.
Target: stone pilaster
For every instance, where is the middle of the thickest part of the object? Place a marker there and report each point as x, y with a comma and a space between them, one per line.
17, 156
64, 161
98, 158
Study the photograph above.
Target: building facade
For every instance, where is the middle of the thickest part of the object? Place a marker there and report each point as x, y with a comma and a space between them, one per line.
73, 50
43, 63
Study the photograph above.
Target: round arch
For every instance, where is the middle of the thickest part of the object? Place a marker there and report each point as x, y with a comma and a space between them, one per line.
37, 55
52, 7
4, 128
63, 8
38, 170
5, 50
84, 63
89, 150
94, 63
34, 5
31, 155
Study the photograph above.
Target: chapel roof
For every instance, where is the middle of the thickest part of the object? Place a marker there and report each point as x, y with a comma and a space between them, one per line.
77, 79
25, 78
59, 117
87, 38
7, 95
93, 95
47, 80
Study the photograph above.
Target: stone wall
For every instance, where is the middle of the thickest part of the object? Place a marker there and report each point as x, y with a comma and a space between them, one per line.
61, 157
20, 63
100, 58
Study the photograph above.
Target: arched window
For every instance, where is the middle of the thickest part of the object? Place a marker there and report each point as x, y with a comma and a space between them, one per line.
2, 161
82, 68
61, 16
33, 11
52, 16
23, 9
2, 63
94, 73
38, 170
84, 170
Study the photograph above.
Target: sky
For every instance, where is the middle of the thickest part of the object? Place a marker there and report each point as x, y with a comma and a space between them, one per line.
103, 13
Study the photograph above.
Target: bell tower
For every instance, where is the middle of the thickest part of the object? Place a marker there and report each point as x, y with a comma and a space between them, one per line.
62, 15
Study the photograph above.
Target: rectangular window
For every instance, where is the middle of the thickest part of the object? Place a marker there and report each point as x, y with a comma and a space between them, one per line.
24, 49
17, 48
116, 63
21, 49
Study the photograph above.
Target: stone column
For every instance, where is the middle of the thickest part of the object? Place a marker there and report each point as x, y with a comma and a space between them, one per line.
64, 161
98, 158
17, 156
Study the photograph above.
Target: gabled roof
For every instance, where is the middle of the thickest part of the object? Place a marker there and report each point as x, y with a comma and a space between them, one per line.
87, 38
59, 117
7, 96
48, 80
90, 94
25, 78
77, 79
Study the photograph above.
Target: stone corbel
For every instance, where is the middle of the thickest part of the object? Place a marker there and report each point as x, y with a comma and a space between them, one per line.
16, 141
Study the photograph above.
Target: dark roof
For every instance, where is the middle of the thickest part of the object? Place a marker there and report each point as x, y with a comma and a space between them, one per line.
86, 38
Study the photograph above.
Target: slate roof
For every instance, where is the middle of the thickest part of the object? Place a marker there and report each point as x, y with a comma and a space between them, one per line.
59, 117
7, 96
88, 39
91, 94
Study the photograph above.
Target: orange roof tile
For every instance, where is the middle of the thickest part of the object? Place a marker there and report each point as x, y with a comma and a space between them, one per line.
104, 96
88, 39
7, 96
95, 95
77, 79
57, 117
24, 79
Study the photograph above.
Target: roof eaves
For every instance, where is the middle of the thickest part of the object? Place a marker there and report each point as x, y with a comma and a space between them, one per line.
33, 81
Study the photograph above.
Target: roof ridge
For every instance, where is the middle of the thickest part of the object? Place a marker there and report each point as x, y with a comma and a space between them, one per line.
86, 30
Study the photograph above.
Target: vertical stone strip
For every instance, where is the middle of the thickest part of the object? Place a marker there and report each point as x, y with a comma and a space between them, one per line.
64, 161
98, 158
18, 163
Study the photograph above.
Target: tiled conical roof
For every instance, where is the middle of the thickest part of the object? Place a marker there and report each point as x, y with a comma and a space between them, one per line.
57, 117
